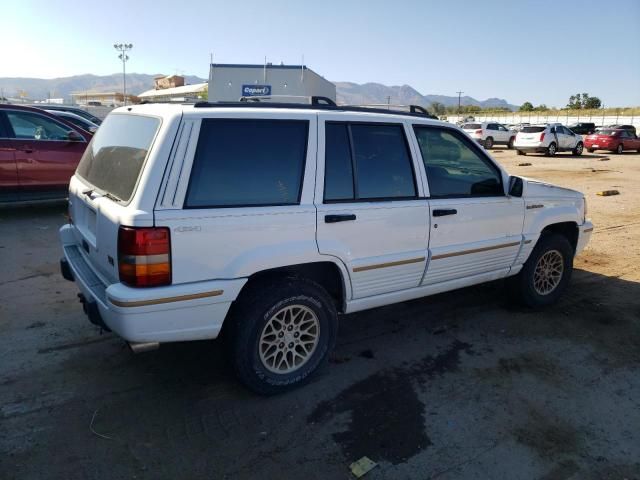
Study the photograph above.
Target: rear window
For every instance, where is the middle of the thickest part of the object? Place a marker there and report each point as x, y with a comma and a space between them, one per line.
113, 160
611, 133
248, 162
533, 129
471, 126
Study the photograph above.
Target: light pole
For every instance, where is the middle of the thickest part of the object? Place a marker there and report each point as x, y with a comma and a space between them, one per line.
459, 96
123, 48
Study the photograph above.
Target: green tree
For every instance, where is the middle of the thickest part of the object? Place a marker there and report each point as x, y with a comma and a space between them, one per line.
438, 108
526, 107
575, 102
541, 108
592, 102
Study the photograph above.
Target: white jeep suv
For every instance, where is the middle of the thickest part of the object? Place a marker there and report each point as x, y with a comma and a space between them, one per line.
489, 134
266, 221
548, 139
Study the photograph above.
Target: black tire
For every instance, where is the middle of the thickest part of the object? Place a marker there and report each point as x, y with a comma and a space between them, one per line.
620, 149
510, 144
255, 309
522, 286
520, 152
590, 150
488, 143
579, 149
552, 149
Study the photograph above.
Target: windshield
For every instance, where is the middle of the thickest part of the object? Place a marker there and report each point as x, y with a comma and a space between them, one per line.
533, 129
471, 126
113, 160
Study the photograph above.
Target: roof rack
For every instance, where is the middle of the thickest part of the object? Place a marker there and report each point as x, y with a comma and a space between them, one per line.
412, 108
315, 100
318, 102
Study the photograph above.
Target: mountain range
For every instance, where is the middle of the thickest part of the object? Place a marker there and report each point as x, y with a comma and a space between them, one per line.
347, 92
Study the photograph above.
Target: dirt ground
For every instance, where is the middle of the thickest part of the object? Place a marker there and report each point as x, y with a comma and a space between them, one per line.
459, 385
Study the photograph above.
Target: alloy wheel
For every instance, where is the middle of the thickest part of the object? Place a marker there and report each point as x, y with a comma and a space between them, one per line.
548, 272
289, 339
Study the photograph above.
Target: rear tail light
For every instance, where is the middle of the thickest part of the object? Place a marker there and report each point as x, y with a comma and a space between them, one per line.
478, 132
144, 256
542, 136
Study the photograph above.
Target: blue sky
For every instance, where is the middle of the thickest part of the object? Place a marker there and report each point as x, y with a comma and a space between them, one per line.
540, 51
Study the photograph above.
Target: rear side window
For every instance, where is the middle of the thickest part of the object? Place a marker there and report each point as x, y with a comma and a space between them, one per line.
338, 170
367, 162
454, 167
472, 126
113, 159
248, 162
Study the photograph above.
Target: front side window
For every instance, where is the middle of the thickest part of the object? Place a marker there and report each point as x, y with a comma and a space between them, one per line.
454, 166
248, 162
367, 162
31, 126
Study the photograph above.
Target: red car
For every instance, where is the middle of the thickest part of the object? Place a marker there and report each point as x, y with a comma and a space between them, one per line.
38, 154
614, 140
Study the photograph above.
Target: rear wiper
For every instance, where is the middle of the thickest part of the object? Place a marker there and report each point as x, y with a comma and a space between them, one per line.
111, 196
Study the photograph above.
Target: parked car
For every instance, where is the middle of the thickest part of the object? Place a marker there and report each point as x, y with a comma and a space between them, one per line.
68, 108
629, 128
614, 140
583, 128
517, 126
181, 227
548, 139
38, 154
77, 120
489, 134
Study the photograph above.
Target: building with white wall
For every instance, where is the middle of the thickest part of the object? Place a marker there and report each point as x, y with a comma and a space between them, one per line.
230, 82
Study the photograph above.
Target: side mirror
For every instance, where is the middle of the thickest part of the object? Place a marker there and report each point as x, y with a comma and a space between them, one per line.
74, 136
515, 187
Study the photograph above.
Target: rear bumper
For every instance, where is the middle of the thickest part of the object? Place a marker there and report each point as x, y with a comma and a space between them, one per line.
600, 146
584, 235
194, 311
530, 148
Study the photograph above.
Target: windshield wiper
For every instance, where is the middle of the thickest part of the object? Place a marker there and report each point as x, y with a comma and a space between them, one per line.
111, 196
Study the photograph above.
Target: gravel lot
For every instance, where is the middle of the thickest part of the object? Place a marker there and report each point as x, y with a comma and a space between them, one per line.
460, 385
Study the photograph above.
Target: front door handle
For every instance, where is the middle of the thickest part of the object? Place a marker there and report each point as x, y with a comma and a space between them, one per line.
444, 211
347, 217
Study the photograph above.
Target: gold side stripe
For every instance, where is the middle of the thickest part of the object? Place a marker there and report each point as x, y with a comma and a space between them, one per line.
389, 264
158, 301
587, 230
475, 250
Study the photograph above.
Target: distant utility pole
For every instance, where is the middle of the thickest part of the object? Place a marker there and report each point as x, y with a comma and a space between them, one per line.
459, 96
388, 102
123, 48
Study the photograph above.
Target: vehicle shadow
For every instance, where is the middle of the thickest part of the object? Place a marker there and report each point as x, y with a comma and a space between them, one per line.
180, 407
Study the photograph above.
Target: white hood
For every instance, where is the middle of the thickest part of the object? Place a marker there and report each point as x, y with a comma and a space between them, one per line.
539, 189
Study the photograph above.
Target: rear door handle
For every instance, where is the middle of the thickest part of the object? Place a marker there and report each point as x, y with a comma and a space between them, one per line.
444, 211
27, 150
339, 218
